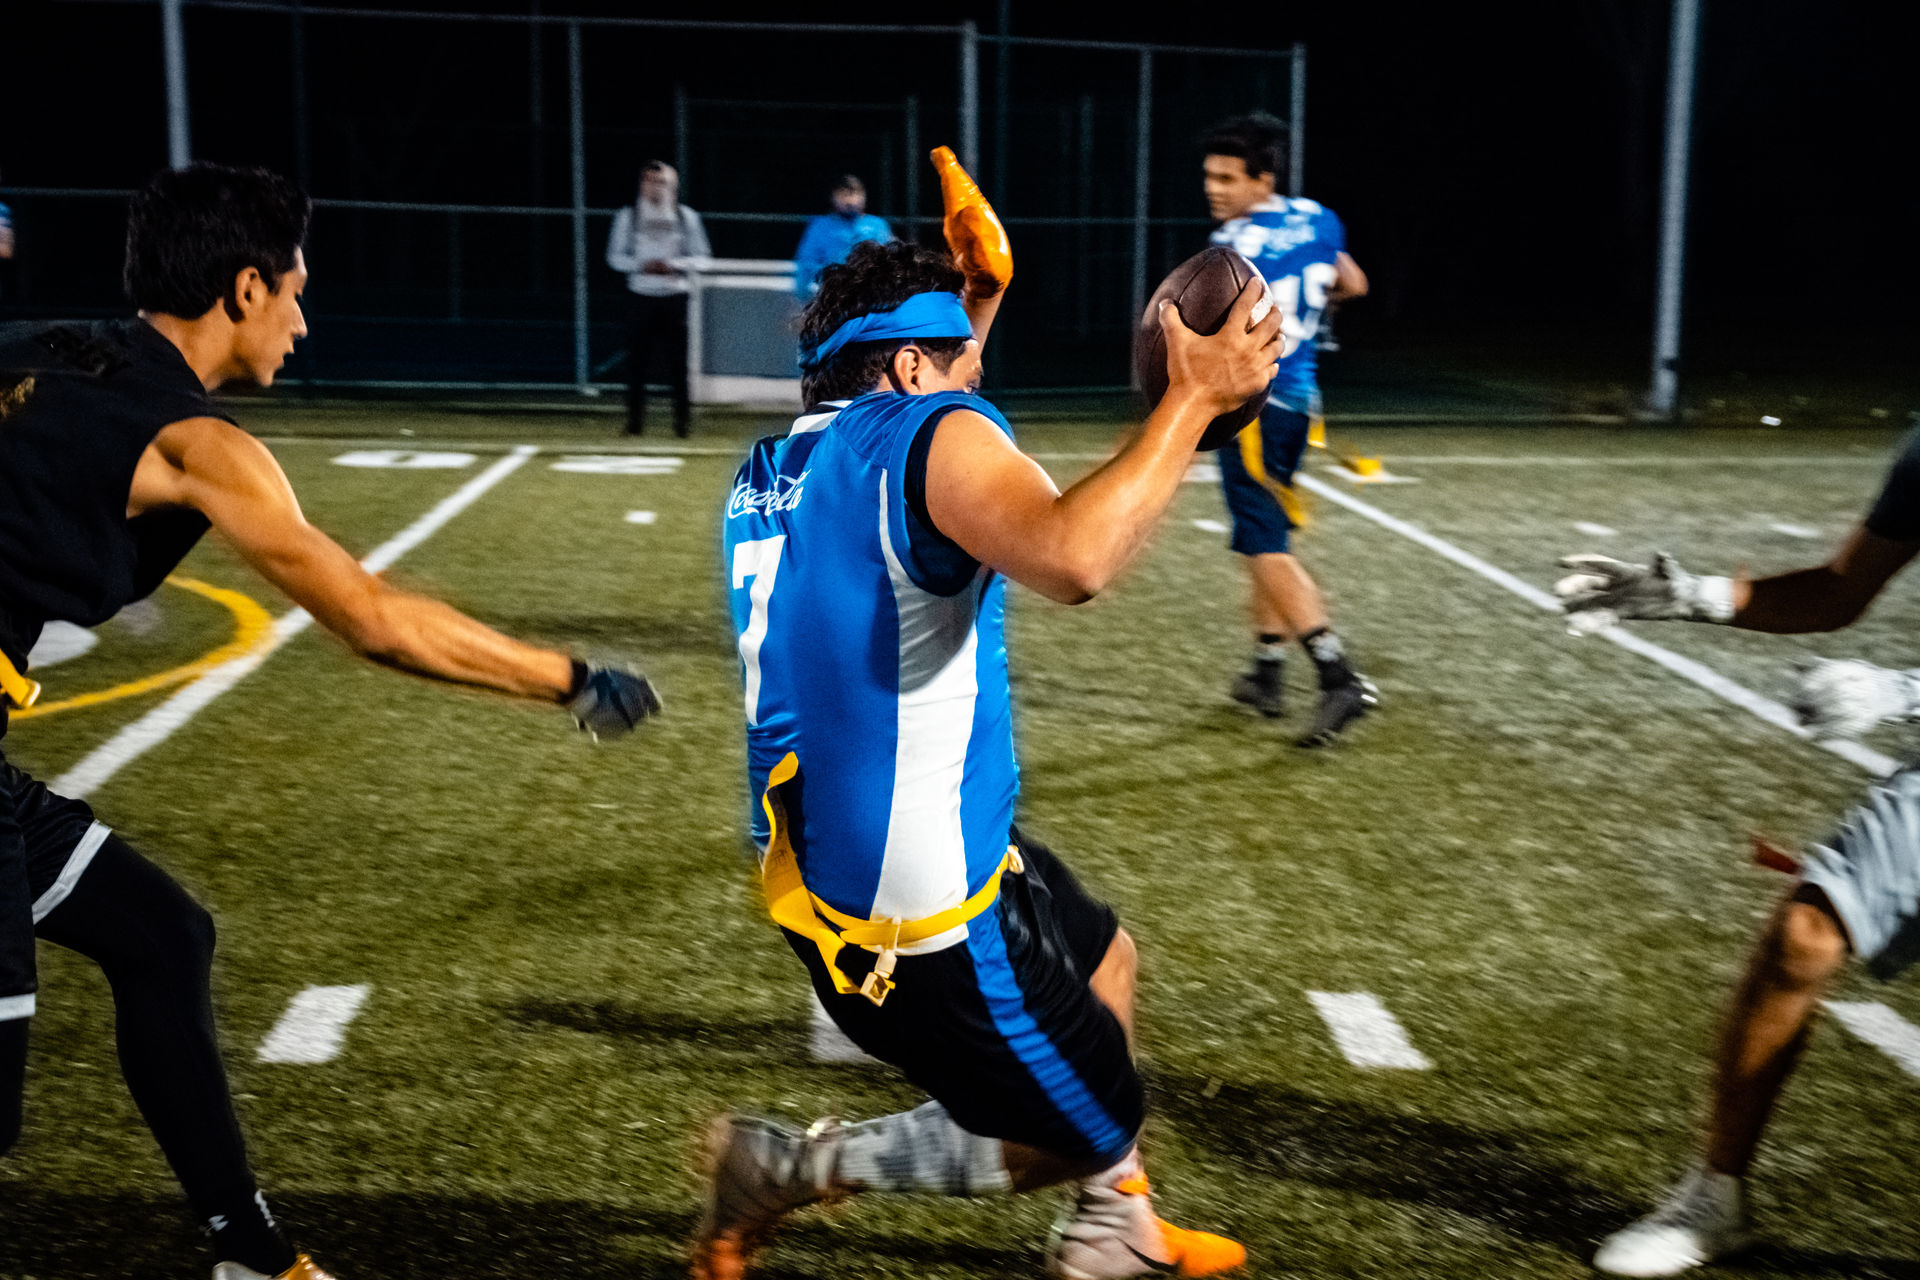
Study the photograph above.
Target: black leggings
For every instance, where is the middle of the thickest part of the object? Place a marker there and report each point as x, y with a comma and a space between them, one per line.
155, 945
13, 1079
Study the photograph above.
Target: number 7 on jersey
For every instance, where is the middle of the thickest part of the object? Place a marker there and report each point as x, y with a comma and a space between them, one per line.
757, 562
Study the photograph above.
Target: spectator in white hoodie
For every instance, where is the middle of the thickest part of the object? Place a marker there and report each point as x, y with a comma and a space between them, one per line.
653, 241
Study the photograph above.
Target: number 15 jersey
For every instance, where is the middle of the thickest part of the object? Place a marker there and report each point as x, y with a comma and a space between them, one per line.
874, 649
1296, 245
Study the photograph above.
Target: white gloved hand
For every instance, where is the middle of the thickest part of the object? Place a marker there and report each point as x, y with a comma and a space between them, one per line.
1602, 590
1844, 699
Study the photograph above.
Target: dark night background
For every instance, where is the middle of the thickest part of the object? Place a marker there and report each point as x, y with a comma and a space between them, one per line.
1497, 164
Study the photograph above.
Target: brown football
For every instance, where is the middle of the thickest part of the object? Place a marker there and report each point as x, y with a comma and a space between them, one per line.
1204, 287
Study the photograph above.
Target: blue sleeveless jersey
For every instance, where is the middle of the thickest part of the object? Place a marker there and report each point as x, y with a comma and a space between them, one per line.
1295, 244
874, 650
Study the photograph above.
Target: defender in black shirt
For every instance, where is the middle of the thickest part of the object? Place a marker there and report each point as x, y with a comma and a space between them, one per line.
1857, 895
113, 463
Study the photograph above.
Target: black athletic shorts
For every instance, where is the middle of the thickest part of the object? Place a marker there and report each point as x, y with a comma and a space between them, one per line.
46, 841
1002, 1029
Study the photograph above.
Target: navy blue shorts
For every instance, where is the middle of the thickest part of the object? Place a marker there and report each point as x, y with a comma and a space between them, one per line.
1256, 474
1002, 1029
45, 842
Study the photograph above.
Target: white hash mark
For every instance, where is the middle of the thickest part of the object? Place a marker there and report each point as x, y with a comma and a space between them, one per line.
314, 1025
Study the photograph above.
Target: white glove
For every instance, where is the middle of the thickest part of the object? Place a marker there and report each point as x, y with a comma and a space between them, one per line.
1845, 699
1602, 591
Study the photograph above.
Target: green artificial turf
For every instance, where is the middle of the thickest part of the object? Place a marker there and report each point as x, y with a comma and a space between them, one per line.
1534, 856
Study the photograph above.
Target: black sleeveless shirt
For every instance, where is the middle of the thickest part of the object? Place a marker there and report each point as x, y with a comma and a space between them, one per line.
70, 439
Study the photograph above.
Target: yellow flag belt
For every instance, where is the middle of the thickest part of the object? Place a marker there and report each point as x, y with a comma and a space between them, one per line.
19, 690
795, 907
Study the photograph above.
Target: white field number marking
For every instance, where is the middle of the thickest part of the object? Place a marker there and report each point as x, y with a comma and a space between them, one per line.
1203, 473
60, 642
1209, 526
758, 562
1367, 1035
641, 517
314, 1025
620, 464
1882, 1028
1686, 668
157, 725
1593, 530
404, 460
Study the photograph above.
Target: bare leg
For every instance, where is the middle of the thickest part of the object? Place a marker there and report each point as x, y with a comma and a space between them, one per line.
1766, 1027
1286, 600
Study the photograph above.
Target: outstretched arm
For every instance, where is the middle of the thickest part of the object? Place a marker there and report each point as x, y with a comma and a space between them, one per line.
1005, 512
231, 478
1826, 597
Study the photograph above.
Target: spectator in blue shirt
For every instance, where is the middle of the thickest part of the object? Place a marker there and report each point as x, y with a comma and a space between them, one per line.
830, 237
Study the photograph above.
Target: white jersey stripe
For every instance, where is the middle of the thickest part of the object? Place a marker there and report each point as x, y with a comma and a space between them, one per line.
924, 867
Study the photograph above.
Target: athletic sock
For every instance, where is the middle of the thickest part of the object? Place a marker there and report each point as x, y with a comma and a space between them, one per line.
250, 1237
1329, 657
922, 1150
1268, 651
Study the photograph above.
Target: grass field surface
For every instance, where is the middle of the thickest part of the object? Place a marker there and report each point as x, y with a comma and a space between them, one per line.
1533, 858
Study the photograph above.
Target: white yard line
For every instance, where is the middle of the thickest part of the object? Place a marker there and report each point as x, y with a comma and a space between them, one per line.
157, 725
1367, 1035
1209, 526
1593, 530
1794, 530
642, 517
1686, 668
1882, 1028
314, 1025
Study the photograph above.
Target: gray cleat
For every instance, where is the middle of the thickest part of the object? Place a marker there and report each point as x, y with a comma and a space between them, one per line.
1339, 707
760, 1171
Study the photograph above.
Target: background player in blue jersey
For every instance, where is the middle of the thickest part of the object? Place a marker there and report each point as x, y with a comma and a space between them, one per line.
1301, 249
866, 554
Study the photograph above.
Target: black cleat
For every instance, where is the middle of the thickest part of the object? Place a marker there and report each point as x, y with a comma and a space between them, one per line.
1268, 697
1339, 707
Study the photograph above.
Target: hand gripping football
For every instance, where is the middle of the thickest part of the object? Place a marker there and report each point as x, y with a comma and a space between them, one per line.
1205, 288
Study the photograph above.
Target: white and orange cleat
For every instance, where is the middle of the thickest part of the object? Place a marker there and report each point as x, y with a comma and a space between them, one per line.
759, 1171
303, 1268
1113, 1233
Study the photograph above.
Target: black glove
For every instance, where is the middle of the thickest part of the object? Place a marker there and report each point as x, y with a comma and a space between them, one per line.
610, 702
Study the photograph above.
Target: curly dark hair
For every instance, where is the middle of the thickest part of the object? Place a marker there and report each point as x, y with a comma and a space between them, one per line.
875, 277
191, 231
1258, 139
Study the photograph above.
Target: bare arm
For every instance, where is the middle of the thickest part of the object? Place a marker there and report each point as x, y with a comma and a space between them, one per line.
1350, 283
1005, 512
1826, 597
231, 478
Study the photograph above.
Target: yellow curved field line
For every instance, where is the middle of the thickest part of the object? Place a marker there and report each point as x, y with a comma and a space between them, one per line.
251, 624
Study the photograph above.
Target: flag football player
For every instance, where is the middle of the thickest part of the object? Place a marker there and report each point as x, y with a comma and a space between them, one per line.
114, 461
1857, 895
867, 553
1301, 249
